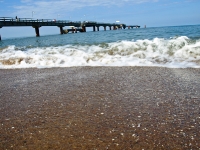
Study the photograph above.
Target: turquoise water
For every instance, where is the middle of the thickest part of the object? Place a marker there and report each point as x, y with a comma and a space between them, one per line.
177, 47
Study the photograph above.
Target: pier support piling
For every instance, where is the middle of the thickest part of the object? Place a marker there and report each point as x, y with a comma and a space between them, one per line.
37, 31
97, 28
61, 30
110, 27
0, 34
104, 28
94, 28
84, 28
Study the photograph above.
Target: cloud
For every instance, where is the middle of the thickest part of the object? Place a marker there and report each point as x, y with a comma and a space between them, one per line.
48, 8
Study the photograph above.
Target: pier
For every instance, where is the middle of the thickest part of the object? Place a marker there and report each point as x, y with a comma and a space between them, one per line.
75, 25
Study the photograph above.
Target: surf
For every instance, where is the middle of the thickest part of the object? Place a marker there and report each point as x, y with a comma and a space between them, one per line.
177, 52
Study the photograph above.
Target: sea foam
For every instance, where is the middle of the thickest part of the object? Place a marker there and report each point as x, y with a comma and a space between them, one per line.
180, 52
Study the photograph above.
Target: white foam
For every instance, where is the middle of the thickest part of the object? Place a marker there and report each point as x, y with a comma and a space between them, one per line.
178, 52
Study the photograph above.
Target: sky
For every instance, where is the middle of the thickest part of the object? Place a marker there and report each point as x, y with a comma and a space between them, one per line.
152, 13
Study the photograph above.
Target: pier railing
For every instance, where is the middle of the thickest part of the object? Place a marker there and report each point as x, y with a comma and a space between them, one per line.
34, 20
10, 19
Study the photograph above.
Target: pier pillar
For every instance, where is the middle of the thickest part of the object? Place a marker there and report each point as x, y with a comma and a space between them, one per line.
104, 28
75, 30
72, 30
110, 27
0, 34
94, 28
128, 27
61, 30
37, 31
84, 28
97, 28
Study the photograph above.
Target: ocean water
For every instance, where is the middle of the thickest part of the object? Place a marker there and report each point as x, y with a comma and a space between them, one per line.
173, 47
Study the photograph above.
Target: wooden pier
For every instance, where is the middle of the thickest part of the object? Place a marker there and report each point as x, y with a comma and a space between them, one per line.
75, 25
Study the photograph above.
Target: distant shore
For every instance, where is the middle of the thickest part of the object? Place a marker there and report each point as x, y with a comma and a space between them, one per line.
100, 107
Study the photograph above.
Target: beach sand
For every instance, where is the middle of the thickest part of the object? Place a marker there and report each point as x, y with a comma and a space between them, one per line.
100, 108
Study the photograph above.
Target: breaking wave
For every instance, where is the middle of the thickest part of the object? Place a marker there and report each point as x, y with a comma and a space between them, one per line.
179, 52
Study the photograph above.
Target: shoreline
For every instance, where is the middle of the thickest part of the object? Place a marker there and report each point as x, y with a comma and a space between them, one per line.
29, 68
100, 107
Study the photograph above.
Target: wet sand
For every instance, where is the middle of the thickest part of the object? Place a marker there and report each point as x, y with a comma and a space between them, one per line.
100, 108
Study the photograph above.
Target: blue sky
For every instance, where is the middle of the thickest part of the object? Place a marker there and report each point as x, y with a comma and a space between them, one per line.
152, 13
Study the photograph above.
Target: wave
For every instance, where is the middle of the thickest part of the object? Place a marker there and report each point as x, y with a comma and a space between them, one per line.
179, 52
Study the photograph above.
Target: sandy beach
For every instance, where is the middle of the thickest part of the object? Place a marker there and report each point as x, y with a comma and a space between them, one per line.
100, 108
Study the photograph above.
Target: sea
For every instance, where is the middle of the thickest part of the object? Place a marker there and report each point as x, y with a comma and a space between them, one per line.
171, 47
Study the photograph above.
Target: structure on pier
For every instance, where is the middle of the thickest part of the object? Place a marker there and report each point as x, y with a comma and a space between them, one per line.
76, 25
